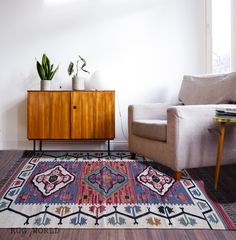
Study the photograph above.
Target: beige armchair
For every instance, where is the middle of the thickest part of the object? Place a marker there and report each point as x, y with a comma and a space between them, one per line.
185, 136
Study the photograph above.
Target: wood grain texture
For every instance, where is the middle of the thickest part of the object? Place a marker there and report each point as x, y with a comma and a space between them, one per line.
48, 115
82, 115
71, 115
38, 115
104, 121
121, 234
60, 115
8, 158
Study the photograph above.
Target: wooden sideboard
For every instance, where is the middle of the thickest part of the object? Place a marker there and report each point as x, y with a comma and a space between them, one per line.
71, 115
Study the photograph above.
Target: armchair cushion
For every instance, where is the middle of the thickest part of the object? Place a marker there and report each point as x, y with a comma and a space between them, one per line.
151, 129
208, 89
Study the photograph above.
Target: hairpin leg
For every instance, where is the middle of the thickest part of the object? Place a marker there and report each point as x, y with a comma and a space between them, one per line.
40, 145
108, 148
34, 147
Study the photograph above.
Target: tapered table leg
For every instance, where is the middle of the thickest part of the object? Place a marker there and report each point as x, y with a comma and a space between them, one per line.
219, 153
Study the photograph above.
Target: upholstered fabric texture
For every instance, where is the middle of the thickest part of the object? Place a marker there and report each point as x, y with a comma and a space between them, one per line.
191, 134
152, 129
208, 89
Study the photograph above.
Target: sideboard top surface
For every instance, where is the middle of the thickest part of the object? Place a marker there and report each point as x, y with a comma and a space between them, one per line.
71, 91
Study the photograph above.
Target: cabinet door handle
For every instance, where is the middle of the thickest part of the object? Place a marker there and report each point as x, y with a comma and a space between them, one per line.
74, 107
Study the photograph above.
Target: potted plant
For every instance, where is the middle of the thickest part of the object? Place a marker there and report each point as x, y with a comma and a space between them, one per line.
46, 72
78, 68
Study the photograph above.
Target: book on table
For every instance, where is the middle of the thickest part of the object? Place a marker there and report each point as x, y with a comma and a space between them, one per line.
226, 111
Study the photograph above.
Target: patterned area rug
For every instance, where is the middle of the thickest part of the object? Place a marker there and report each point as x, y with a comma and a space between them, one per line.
93, 190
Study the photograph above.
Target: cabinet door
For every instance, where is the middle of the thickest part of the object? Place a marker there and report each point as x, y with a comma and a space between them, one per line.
60, 115
48, 115
104, 115
82, 115
38, 115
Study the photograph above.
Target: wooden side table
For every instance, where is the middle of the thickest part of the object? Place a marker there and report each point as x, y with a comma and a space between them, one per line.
222, 120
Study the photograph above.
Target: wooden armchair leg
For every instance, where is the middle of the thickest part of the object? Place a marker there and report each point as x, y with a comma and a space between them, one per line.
133, 155
177, 175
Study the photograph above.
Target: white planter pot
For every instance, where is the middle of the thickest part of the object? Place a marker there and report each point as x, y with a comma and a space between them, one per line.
45, 85
77, 83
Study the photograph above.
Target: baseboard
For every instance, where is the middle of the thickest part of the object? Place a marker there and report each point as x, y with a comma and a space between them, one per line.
65, 145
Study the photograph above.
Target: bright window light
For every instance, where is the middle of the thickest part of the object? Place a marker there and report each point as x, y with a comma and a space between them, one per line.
221, 36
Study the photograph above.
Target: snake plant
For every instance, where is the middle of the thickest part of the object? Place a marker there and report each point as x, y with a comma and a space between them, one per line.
45, 69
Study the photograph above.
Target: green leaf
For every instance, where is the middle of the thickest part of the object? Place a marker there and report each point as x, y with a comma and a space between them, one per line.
70, 68
44, 61
53, 73
45, 69
48, 61
44, 65
41, 71
84, 70
48, 67
84, 64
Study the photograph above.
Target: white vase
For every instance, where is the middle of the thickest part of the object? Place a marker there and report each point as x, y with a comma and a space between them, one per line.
45, 85
77, 83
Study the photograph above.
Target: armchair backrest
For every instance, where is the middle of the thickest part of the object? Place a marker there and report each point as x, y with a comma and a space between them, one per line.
208, 89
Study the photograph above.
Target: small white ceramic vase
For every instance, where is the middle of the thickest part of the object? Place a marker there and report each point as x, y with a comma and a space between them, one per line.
45, 85
77, 83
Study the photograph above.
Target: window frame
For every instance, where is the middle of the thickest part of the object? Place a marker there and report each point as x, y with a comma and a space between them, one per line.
209, 39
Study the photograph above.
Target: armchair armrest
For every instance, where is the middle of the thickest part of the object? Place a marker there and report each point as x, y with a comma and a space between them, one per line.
147, 111
186, 119
188, 134
196, 112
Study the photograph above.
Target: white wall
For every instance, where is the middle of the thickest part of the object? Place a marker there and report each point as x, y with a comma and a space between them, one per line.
140, 48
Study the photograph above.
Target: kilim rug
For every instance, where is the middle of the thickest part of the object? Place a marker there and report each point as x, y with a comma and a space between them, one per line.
94, 190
